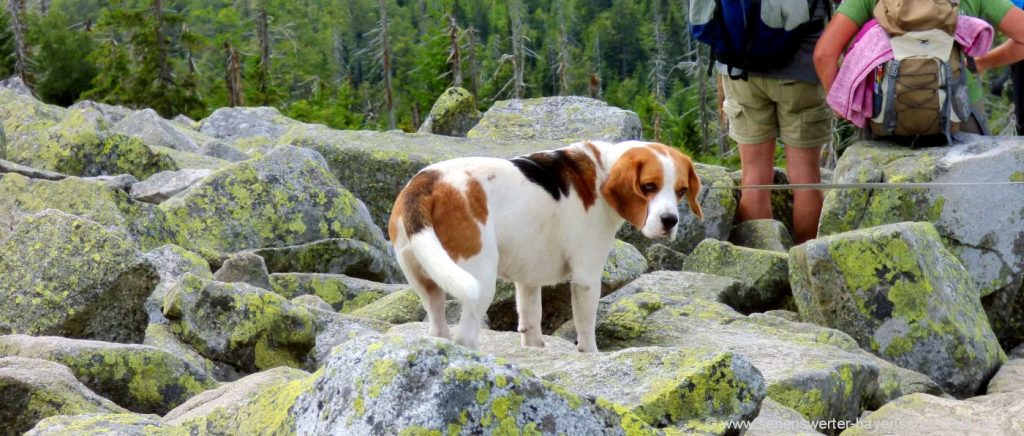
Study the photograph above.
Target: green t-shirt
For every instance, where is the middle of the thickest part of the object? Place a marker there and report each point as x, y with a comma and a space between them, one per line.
992, 11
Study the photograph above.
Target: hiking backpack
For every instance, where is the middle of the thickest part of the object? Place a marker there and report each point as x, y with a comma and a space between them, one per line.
754, 35
921, 95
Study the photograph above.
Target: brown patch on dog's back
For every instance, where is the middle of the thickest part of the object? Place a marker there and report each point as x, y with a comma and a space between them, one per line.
593, 150
558, 171
428, 201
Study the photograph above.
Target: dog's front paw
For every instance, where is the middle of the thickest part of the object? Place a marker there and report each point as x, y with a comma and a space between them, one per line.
533, 342
586, 348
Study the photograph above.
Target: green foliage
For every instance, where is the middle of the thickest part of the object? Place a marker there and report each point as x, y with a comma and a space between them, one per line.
62, 73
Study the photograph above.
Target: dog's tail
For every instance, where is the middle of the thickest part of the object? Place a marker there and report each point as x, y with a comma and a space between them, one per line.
440, 267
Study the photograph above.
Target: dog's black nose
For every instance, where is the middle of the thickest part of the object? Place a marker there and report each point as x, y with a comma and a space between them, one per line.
669, 220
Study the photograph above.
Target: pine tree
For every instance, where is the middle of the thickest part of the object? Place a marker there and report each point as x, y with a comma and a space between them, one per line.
563, 58
515, 15
382, 47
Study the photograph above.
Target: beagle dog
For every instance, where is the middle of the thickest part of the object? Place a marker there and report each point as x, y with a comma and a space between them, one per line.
535, 220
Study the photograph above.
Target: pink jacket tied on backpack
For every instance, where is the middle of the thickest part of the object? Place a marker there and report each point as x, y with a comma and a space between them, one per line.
852, 93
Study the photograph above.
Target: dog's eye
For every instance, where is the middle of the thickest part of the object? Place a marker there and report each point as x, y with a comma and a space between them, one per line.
680, 193
648, 188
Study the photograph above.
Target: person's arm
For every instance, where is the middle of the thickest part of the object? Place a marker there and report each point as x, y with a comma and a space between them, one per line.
838, 34
1011, 51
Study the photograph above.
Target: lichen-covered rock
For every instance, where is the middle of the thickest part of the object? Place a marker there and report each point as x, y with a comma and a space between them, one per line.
151, 129
903, 296
662, 258
172, 263
394, 386
34, 389
922, 414
312, 302
23, 113
105, 424
718, 205
350, 257
567, 119
186, 122
202, 411
244, 268
220, 150
696, 390
236, 323
395, 308
284, 198
139, 378
375, 166
344, 294
333, 329
764, 273
819, 372
161, 336
762, 235
189, 160
112, 114
16, 85
624, 264
778, 420
166, 184
781, 199
79, 146
91, 199
454, 114
65, 275
121, 182
987, 236
241, 124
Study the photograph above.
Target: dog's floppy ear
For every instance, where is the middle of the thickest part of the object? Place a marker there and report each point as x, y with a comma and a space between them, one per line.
622, 191
694, 190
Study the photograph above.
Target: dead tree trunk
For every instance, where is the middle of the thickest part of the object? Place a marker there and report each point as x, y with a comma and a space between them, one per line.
385, 55
165, 77
563, 60
472, 62
515, 14
22, 65
454, 51
263, 34
234, 77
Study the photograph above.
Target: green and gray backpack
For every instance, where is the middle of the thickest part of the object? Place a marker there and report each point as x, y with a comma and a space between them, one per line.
921, 95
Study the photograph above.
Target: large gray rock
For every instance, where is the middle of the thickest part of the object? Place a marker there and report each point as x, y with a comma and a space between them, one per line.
161, 336
172, 264
247, 127
624, 264
1010, 378
778, 420
661, 258
7, 166
151, 129
427, 384
333, 329
375, 166
166, 184
139, 378
16, 85
103, 424
112, 114
34, 389
700, 391
395, 308
244, 268
903, 296
764, 273
350, 257
250, 328
287, 197
454, 114
819, 372
344, 294
922, 414
985, 234
68, 276
763, 235
568, 119
718, 205
23, 113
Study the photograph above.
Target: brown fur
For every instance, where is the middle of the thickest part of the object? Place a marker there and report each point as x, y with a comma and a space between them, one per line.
430, 202
622, 189
686, 177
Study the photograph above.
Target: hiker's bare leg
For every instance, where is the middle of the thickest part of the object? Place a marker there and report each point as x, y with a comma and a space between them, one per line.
758, 164
802, 166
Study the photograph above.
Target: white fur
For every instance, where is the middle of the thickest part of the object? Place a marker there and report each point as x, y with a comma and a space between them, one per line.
531, 239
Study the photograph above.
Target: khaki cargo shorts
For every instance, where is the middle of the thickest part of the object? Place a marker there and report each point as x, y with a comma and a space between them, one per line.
762, 108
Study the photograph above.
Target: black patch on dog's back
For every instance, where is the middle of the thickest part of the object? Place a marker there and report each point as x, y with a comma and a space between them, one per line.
545, 170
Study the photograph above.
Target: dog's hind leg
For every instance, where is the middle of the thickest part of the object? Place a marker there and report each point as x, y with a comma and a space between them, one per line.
528, 304
467, 333
431, 295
